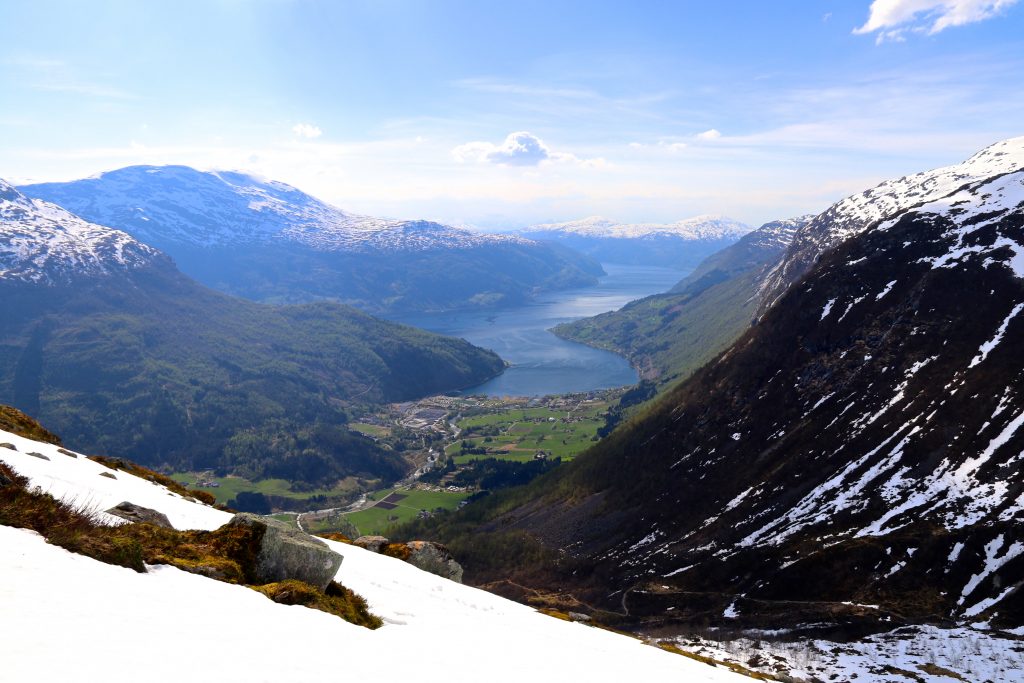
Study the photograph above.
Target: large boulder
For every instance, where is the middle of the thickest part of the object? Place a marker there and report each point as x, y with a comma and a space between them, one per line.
286, 553
434, 558
137, 513
371, 543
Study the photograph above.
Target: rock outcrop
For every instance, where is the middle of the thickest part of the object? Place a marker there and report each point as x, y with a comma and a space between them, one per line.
283, 552
434, 558
137, 513
426, 555
371, 543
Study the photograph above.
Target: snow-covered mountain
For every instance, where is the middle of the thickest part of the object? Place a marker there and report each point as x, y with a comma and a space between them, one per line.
854, 459
681, 245
103, 337
960, 183
165, 623
697, 228
162, 205
268, 241
41, 242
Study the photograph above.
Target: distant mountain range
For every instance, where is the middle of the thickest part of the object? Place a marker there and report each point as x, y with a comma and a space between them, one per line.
106, 340
681, 245
268, 241
668, 336
852, 462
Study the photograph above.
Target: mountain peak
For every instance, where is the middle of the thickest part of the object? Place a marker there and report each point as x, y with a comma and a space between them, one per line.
41, 242
179, 205
985, 180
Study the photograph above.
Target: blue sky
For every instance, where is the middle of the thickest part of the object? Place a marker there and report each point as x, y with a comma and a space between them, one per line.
501, 114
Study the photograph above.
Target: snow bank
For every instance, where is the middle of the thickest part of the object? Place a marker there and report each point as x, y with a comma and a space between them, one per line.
68, 617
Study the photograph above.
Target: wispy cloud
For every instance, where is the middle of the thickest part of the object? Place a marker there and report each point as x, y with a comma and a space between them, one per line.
892, 20
55, 75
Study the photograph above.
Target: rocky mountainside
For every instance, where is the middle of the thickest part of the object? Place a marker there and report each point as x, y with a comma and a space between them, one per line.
857, 213
681, 245
104, 339
668, 336
855, 459
271, 242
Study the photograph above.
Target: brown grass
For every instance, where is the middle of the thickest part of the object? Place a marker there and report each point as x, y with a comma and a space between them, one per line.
226, 554
336, 536
336, 600
14, 421
397, 550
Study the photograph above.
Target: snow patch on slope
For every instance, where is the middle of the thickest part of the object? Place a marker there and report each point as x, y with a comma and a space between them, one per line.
155, 616
43, 243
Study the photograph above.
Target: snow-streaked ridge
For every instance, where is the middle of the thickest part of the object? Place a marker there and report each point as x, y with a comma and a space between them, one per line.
43, 243
178, 204
991, 181
705, 227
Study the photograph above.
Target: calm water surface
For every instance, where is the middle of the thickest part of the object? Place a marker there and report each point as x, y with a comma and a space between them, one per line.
541, 362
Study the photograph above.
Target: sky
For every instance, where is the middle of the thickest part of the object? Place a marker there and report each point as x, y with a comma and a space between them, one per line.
503, 114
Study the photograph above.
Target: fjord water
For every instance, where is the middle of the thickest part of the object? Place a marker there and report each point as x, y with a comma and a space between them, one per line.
541, 362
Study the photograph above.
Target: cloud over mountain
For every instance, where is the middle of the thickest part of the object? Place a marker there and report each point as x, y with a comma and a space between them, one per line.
521, 148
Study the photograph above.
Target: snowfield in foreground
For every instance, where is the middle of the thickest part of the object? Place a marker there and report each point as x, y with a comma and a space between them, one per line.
69, 617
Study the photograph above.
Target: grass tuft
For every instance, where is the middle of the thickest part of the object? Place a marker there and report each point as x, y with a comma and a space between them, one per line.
336, 600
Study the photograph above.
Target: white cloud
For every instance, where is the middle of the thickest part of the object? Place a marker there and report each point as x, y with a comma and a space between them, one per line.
892, 19
307, 130
519, 149
709, 135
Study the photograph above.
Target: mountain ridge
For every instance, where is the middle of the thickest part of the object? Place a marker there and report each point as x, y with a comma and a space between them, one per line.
270, 242
851, 462
143, 359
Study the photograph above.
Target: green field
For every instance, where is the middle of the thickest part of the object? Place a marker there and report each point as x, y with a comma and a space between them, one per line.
369, 429
232, 486
376, 520
518, 434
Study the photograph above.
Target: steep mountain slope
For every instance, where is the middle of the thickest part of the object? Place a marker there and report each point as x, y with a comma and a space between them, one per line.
855, 214
104, 339
668, 336
855, 458
682, 244
158, 615
268, 241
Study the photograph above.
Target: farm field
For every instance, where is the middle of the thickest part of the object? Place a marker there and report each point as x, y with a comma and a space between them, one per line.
519, 434
395, 506
229, 487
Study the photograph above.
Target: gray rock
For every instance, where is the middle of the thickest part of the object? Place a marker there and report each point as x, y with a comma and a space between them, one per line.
434, 558
287, 553
39, 455
137, 513
8, 445
64, 451
108, 475
371, 543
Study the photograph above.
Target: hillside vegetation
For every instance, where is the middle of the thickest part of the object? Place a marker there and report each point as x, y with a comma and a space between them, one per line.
154, 366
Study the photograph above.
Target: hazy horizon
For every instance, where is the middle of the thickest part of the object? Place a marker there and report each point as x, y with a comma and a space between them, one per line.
501, 117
